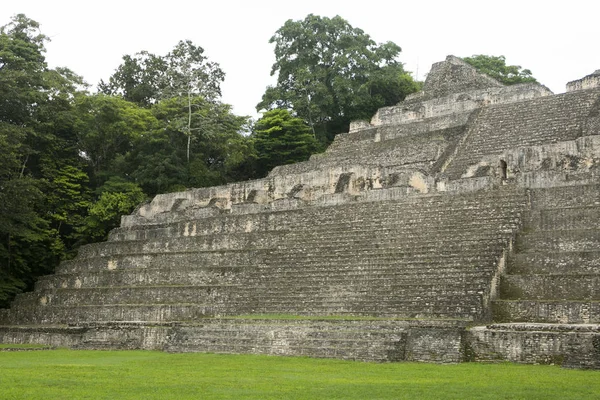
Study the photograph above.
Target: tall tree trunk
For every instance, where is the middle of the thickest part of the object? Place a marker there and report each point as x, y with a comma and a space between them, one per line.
9, 255
189, 127
23, 167
312, 125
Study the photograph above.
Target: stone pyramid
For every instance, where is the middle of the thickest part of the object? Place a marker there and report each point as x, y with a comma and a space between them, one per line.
462, 224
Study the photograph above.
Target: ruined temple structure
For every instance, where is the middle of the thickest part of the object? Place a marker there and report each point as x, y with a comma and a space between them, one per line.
462, 224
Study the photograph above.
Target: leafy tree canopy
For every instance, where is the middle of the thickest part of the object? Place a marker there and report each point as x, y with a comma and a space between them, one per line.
107, 126
330, 73
496, 68
137, 79
146, 78
280, 138
118, 197
42, 191
218, 152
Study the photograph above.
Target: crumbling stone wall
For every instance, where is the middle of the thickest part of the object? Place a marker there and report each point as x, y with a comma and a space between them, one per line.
591, 81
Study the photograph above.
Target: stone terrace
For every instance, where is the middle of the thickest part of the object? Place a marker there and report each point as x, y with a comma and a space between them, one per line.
357, 259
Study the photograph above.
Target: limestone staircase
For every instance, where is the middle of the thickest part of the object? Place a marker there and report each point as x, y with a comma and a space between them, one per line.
420, 258
554, 276
550, 296
408, 259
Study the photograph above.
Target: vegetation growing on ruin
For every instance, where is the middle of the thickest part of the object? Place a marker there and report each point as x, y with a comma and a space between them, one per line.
496, 68
156, 375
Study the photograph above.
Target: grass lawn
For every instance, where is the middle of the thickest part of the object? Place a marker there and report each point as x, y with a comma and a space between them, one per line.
66, 374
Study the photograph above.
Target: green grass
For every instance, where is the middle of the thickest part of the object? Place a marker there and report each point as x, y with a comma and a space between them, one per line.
67, 374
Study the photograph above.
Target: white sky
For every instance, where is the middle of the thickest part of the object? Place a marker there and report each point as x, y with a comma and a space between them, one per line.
556, 40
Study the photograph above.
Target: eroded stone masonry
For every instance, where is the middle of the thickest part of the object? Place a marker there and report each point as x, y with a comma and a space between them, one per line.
462, 224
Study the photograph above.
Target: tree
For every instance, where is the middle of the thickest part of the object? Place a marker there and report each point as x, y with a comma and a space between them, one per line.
280, 138
107, 126
117, 197
496, 68
330, 73
218, 152
19, 221
189, 74
185, 72
138, 79
22, 65
35, 143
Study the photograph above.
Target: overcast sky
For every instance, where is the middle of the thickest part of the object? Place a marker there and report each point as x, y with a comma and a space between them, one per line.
557, 41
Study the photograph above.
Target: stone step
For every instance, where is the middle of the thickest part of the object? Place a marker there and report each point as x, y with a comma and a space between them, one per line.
460, 232
115, 270
376, 268
396, 244
184, 275
566, 196
558, 241
209, 260
101, 296
352, 277
427, 205
409, 220
551, 287
369, 291
390, 255
60, 336
410, 244
569, 345
459, 229
388, 259
547, 311
348, 274
221, 224
578, 262
404, 293
383, 289
466, 298
384, 133
350, 349
115, 312
587, 217
394, 256
398, 309
420, 264
250, 241
471, 309
412, 214
232, 333
386, 219
338, 339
